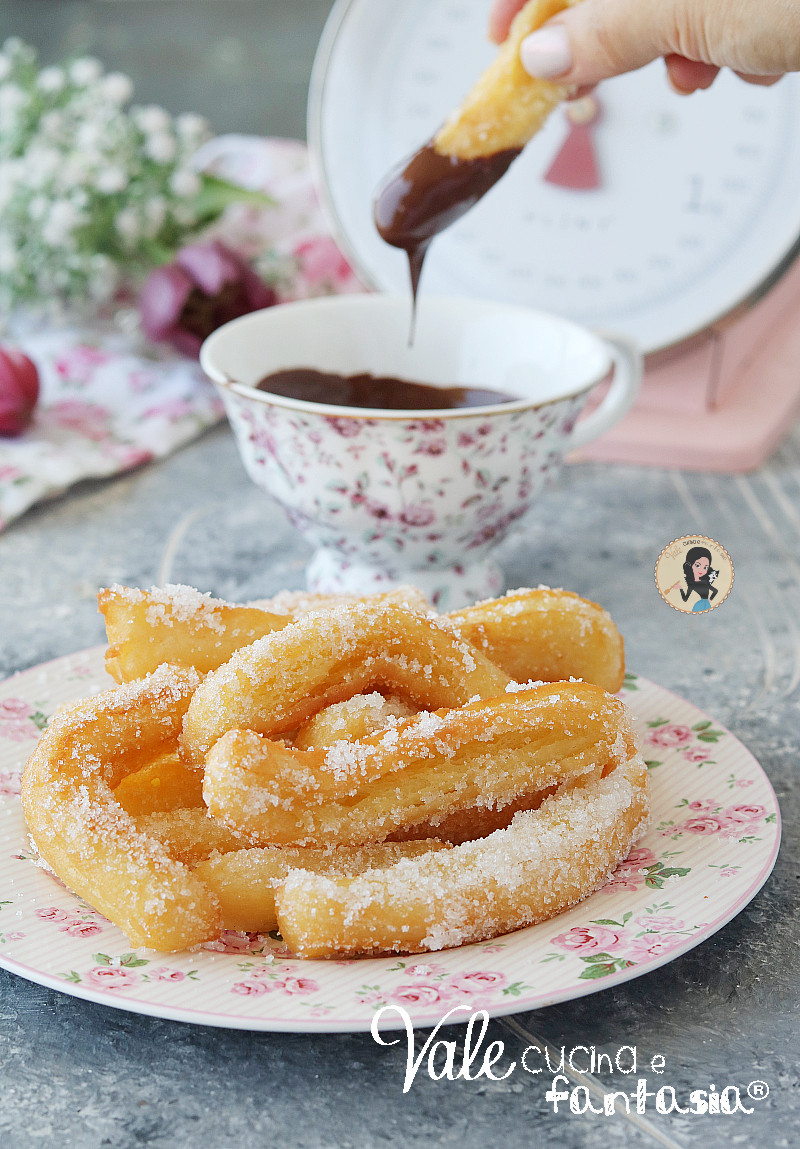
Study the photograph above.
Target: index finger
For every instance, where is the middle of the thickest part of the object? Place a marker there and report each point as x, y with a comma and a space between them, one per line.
500, 17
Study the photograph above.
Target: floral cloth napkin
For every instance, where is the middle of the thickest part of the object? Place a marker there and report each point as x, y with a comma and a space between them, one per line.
109, 401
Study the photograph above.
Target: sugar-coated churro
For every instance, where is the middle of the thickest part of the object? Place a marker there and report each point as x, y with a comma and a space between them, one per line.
547, 860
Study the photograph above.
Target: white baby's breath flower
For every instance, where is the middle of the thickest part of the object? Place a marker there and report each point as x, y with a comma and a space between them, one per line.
160, 147
152, 119
74, 170
109, 180
12, 98
128, 225
184, 182
85, 71
89, 133
61, 221
52, 124
190, 126
116, 87
41, 164
51, 79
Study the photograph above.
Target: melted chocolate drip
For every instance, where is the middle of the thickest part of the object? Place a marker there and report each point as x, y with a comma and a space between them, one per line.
424, 195
381, 392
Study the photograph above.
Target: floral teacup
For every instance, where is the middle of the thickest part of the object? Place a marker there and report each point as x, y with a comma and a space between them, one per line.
391, 497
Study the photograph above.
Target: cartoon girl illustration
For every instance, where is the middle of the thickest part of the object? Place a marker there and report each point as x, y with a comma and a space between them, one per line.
699, 577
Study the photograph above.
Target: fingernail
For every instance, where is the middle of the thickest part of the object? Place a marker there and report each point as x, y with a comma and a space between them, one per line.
546, 54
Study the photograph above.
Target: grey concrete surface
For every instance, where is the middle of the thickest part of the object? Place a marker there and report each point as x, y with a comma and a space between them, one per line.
76, 1074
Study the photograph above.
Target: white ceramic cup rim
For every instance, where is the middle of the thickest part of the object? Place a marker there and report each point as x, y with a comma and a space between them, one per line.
268, 398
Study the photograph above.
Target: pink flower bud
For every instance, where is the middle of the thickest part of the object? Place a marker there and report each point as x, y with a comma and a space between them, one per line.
206, 285
19, 390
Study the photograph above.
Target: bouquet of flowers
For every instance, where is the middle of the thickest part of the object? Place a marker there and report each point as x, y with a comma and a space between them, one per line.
91, 194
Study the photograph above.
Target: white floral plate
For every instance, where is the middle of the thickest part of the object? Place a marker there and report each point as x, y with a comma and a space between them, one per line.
711, 846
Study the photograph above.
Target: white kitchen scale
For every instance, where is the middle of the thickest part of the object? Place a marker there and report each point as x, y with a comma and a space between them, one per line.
673, 220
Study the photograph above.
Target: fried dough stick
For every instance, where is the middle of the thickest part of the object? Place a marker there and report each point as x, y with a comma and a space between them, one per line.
545, 861
181, 626
178, 625
546, 634
86, 837
506, 107
244, 881
323, 658
486, 753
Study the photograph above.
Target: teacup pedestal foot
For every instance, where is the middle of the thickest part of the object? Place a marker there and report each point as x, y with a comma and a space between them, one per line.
446, 588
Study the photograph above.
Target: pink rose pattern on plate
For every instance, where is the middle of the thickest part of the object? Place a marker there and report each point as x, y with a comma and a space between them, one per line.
638, 919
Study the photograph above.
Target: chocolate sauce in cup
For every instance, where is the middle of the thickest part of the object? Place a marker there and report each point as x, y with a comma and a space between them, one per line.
378, 392
425, 194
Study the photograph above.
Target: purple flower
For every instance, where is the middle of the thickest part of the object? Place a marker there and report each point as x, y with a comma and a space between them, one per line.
206, 285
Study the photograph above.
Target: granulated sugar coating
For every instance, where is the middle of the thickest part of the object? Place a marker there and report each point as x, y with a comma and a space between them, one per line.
178, 625
544, 633
83, 833
485, 754
545, 861
485, 736
326, 657
358, 717
244, 881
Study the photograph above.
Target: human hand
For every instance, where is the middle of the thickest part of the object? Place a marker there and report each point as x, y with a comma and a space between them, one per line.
596, 39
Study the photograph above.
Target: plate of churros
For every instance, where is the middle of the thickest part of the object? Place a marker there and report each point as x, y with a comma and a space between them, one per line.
289, 814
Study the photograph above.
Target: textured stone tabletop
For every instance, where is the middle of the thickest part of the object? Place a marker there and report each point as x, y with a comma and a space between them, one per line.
78, 1074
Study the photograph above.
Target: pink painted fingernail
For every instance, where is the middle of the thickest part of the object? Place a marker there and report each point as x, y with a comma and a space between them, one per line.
546, 54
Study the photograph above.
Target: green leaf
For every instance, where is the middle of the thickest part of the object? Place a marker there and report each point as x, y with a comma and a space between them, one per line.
6, 903
658, 722
711, 736
131, 961
101, 959
595, 971
598, 957
606, 922
515, 989
771, 818
651, 765
675, 872
629, 681
702, 725
39, 720
71, 976
216, 194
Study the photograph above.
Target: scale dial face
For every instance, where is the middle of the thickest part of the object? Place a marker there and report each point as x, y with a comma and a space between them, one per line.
697, 201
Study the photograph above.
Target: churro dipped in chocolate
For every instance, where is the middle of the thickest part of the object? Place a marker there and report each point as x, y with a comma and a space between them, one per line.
472, 150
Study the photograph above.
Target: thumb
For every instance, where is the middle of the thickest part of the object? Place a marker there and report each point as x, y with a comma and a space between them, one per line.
597, 39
